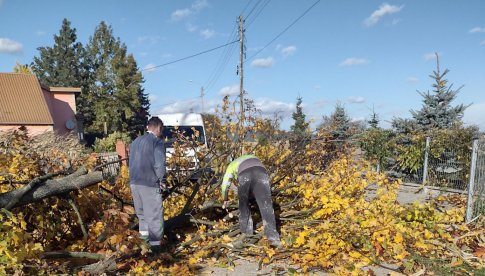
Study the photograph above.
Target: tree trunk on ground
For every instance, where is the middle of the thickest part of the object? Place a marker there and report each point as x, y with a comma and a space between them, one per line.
76, 181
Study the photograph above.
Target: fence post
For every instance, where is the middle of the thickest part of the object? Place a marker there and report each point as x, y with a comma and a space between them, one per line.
425, 167
121, 151
471, 182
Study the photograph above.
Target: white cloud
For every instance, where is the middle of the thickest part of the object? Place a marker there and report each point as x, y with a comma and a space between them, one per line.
288, 51
354, 61
356, 100
184, 106
383, 10
10, 46
271, 107
412, 80
395, 21
430, 56
196, 7
181, 14
477, 30
150, 68
148, 39
474, 115
40, 33
263, 62
199, 5
207, 33
152, 98
191, 27
230, 90
482, 43
357, 119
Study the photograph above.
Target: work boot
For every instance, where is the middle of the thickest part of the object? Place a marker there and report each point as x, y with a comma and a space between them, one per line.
276, 244
155, 249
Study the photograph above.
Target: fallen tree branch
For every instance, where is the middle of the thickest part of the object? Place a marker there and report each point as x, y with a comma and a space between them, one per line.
75, 181
67, 254
21, 192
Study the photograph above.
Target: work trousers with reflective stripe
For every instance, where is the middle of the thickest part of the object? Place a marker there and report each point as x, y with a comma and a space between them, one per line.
149, 210
255, 180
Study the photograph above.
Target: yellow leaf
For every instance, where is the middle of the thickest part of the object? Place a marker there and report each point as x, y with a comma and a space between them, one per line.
308, 257
398, 238
270, 252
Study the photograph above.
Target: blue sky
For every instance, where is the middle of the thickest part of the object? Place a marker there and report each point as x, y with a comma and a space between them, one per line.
363, 54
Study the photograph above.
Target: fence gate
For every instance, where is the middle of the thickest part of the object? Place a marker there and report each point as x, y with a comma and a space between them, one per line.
476, 184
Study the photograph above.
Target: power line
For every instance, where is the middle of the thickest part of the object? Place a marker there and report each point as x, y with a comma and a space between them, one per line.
251, 11
247, 5
257, 14
286, 29
191, 56
222, 62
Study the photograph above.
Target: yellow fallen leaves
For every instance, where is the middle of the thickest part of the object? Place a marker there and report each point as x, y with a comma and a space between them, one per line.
359, 228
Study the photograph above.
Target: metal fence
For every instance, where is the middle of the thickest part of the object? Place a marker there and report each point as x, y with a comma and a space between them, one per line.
448, 170
476, 183
109, 164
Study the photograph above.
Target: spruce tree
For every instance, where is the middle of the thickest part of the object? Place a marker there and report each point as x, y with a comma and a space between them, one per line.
437, 111
61, 64
300, 126
340, 123
116, 95
374, 119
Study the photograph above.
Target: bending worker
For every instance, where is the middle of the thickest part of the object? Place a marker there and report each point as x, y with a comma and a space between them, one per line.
147, 168
252, 180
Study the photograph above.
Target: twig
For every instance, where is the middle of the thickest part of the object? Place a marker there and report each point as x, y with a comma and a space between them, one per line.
79, 218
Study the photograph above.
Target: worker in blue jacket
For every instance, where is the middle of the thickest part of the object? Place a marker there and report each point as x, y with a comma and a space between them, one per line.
147, 169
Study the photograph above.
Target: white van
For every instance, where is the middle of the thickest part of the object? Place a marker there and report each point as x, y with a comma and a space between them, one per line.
184, 123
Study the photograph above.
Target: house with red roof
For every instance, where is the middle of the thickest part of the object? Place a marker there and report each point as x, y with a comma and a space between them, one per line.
25, 102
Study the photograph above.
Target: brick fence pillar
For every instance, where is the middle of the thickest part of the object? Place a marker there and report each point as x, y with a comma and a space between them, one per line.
122, 151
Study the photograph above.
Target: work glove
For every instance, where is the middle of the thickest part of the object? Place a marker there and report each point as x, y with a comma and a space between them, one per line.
164, 191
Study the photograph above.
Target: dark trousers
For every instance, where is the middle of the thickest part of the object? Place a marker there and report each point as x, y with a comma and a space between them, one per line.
149, 210
255, 181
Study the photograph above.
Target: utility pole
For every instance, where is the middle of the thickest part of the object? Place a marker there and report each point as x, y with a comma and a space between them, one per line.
241, 76
241, 66
202, 97
201, 94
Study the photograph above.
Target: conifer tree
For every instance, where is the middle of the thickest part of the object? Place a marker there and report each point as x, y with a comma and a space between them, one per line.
340, 123
116, 95
61, 64
437, 111
374, 119
300, 126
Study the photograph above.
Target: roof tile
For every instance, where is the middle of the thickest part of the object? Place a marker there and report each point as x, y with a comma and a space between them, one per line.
22, 100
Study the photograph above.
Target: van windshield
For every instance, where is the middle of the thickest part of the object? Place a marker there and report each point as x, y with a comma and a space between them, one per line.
169, 134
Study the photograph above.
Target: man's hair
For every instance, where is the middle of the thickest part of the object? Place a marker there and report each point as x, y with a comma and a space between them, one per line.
154, 122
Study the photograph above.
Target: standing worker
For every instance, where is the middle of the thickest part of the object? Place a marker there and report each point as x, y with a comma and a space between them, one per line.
147, 168
252, 179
